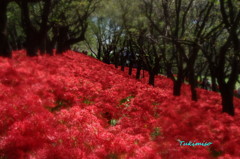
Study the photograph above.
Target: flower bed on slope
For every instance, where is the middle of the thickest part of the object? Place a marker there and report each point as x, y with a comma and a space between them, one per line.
73, 106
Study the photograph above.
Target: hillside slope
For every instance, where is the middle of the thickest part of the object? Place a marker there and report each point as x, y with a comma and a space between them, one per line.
73, 106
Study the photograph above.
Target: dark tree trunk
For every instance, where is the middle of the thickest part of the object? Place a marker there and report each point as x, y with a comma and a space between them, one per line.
169, 70
35, 39
5, 50
32, 38
191, 72
232, 26
131, 59
62, 44
139, 67
177, 84
44, 27
43, 45
227, 89
177, 87
13, 42
50, 46
14, 38
154, 71
61, 48
32, 43
51, 43
31, 50
151, 78
214, 84
116, 65
192, 82
106, 58
130, 69
116, 59
122, 68
213, 80
106, 54
138, 74
99, 51
227, 100
19, 43
130, 65
122, 61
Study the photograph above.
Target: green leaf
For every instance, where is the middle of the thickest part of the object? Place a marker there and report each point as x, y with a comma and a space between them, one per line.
87, 101
127, 99
113, 122
156, 132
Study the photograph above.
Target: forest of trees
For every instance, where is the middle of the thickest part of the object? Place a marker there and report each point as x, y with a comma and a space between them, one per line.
186, 40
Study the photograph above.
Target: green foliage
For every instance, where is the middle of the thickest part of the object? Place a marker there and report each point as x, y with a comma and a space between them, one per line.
87, 101
156, 132
216, 153
113, 122
112, 156
59, 104
14, 23
127, 99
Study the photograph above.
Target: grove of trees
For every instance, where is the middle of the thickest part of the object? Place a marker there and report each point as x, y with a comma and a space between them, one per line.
186, 40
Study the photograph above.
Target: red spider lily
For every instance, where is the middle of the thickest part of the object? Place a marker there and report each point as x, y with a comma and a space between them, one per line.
73, 105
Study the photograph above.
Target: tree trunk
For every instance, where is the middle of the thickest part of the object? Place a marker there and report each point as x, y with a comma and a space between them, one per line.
130, 65
191, 69
169, 70
14, 38
31, 50
116, 60
214, 84
13, 42
99, 51
193, 87
106, 57
192, 81
151, 78
51, 43
139, 67
226, 89
20, 43
122, 68
130, 69
32, 44
131, 59
32, 37
5, 50
43, 32
50, 46
122, 61
227, 100
177, 87
43, 45
62, 45
177, 84
61, 48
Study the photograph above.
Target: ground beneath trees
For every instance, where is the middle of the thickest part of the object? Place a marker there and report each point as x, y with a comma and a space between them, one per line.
73, 106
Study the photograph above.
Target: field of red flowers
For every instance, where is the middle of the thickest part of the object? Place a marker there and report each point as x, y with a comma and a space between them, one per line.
72, 106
